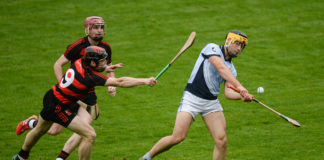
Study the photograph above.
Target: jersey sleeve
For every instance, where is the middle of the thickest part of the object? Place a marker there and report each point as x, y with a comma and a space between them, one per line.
107, 47
73, 51
68, 52
98, 79
211, 49
108, 50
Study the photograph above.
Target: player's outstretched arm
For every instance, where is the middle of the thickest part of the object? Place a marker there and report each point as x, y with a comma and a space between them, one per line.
127, 82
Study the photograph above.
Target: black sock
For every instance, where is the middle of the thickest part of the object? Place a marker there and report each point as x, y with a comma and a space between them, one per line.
23, 154
63, 155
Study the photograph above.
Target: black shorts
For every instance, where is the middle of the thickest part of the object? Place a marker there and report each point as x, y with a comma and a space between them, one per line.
57, 112
90, 99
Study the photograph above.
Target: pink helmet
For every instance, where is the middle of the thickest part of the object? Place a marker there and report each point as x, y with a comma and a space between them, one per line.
90, 21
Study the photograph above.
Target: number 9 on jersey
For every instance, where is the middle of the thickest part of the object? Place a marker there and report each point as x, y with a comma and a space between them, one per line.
68, 78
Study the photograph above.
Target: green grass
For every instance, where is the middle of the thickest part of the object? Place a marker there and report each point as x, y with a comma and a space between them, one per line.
284, 56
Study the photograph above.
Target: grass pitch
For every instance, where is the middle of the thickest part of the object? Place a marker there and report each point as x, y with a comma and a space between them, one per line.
285, 56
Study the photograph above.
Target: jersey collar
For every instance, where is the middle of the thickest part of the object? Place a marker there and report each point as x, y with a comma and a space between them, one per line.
88, 43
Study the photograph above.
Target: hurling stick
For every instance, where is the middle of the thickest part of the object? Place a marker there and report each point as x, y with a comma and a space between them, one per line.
188, 44
292, 121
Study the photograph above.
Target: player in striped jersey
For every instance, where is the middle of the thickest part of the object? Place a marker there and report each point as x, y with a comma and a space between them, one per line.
59, 103
95, 30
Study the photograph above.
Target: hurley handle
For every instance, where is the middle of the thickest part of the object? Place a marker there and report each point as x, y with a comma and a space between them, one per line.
235, 89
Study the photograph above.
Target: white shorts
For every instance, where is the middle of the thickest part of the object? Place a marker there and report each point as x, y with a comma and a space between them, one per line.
196, 105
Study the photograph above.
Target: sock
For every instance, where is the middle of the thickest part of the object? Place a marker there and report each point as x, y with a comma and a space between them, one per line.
23, 154
63, 155
147, 156
32, 123
19, 158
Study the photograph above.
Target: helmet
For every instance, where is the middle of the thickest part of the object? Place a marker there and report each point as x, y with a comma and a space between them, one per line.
90, 21
235, 36
94, 53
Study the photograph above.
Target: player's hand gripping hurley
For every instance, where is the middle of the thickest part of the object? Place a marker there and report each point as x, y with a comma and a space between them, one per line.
293, 122
189, 43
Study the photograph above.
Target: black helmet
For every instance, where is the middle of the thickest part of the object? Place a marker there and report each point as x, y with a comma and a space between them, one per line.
94, 53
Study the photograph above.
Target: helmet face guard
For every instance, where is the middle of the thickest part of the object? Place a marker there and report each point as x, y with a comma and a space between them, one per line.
237, 38
93, 21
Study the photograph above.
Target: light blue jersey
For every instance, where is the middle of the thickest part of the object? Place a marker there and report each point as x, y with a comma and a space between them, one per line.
205, 80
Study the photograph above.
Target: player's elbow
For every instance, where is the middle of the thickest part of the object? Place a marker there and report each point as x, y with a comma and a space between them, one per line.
117, 82
227, 96
57, 66
125, 84
232, 96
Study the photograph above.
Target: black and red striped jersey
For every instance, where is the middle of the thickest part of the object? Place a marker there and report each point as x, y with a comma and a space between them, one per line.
77, 82
76, 50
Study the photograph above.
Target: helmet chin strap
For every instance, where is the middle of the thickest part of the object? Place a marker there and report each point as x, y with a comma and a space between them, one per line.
231, 54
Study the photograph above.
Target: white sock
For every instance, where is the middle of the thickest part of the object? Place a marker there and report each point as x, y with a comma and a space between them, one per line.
31, 123
59, 159
147, 156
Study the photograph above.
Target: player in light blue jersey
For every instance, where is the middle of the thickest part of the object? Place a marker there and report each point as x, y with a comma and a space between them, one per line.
213, 67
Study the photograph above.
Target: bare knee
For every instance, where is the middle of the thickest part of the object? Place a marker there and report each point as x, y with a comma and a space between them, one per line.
90, 136
177, 139
221, 142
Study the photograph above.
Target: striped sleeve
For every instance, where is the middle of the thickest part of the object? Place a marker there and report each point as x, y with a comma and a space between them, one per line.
72, 50
107, 47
